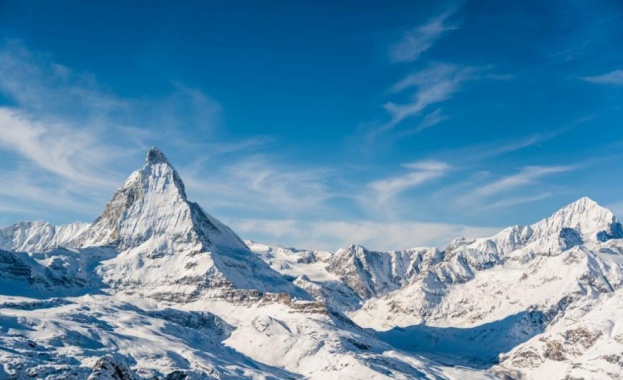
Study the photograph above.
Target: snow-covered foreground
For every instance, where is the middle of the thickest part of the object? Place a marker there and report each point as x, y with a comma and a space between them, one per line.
155, 288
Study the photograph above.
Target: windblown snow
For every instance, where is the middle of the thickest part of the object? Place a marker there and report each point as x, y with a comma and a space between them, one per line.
156, 288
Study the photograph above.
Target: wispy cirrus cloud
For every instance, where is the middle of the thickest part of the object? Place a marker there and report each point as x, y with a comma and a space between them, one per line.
507, 185
35, 83
430, 120
68, 144
260, 184
519, 200
76, 154
612, 78
56, 136
434, 84
417, 40
385, 191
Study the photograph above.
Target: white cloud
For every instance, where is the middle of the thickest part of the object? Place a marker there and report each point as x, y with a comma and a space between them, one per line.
36, 84
40, 194
515, 201
612, 78
331, 235
384, 191
418, 40
526, 176
77, 154
434, 84
260, 184
429, 121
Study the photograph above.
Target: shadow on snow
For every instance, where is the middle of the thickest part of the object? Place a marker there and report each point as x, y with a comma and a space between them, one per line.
476, 347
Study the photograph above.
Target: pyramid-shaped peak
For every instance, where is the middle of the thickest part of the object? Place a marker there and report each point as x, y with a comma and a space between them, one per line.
151, 206
155, 156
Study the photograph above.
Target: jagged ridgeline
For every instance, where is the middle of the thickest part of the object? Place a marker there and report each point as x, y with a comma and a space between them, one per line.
156, 288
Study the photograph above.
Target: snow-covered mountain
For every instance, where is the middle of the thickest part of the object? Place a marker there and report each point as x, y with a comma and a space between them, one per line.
493, 302
156, 288
38, 236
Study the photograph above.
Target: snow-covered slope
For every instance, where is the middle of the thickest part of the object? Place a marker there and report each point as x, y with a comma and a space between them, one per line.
484, 287
587, 343
344, 279
38, 236
156, 288
491, 294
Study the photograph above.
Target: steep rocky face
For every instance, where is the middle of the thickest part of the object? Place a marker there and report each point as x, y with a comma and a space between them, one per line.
151, 210
343, 279
13, 268
372, 274
111, 368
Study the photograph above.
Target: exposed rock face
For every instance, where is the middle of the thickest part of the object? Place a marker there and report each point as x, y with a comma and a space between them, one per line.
111, 367
13, 268
372, 274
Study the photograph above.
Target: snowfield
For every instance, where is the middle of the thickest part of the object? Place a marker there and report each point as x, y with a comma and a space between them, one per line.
156, 288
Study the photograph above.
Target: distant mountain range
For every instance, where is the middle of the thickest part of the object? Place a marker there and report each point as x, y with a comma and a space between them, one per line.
156, 288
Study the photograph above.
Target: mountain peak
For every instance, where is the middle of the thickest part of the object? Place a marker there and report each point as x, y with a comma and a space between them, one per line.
155, 156
584, 204
152, 206
586, 217
585, 209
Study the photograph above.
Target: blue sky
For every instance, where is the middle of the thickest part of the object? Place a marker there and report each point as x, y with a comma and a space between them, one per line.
316, 124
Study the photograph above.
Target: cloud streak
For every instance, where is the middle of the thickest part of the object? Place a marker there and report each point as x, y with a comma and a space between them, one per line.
434, 84
383, 194
262, 185
526, 176
418, 40
75, 154
386, 190
612, 78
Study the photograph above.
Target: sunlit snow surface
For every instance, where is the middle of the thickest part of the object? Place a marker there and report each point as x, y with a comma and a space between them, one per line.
155, 288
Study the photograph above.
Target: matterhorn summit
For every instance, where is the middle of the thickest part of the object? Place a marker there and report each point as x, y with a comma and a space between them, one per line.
168, 247
150, 213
